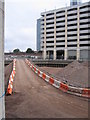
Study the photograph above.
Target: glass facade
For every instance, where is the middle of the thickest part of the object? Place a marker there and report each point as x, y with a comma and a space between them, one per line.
38, 33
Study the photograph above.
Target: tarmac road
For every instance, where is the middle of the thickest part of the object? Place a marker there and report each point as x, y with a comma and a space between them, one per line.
34, 98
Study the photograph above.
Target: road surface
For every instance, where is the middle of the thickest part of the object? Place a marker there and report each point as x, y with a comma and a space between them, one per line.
34, 98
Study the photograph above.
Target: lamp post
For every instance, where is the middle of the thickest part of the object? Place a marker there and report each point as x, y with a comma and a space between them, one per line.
2, 103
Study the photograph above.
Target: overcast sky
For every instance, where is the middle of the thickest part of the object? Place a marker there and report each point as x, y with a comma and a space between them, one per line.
21, 18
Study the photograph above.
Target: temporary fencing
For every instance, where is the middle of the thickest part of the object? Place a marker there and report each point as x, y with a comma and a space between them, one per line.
10, 83
84, 92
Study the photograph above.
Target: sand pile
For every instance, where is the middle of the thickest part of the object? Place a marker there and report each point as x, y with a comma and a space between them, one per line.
75, 74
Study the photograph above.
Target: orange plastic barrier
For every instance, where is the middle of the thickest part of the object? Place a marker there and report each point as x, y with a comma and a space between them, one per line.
9, 90
44, 76
14, 72
32, 66
10, 85
51, 80
86, 92
64, 87
38, 72
34, 69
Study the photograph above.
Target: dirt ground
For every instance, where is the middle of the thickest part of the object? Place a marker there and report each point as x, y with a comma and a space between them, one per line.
75, 74
7, 72
34, 98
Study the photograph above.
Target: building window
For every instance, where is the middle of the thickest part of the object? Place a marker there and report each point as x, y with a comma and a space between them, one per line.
74, 19
60, 45
51, 32
72, 45
49, 14
72, 14
72, 9
58, 12
50, 37
49, 41
84, 23
60, 16
87, 28
87, 17
69, 35
72, 24
58, 41
85, 12
75, 40
49, 23
84, 45
50, 18
70, 30
49, 28
58, 36
49, 46
60, 31
86, 39
82, 34
60, 21
60, 26
86, 6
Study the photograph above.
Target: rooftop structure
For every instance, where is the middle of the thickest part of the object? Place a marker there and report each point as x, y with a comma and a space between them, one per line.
75, 2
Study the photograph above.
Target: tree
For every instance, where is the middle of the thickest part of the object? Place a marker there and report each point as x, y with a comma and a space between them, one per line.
29, 50
16, 51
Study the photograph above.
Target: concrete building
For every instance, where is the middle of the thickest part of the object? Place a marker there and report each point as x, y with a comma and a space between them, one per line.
2, 107
75, 2
38, 33
65, 32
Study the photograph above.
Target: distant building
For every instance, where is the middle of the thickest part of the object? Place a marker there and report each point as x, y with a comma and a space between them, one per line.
38, 33
65, 32
75, 2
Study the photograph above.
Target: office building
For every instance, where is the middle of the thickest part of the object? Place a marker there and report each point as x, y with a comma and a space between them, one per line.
65, 32
38, 33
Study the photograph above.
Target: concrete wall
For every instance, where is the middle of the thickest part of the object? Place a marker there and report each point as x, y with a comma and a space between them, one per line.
2, 107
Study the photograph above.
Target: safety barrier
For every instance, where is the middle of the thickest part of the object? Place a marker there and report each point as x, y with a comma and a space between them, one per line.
84, 92
10, 84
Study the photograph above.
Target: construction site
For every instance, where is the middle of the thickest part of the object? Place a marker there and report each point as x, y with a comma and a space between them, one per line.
34, 94
35, 87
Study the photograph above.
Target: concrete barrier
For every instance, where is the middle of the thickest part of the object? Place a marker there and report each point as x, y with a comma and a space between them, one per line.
83, 92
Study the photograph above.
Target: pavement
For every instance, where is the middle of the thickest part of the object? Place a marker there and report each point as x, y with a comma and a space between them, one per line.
34, 98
